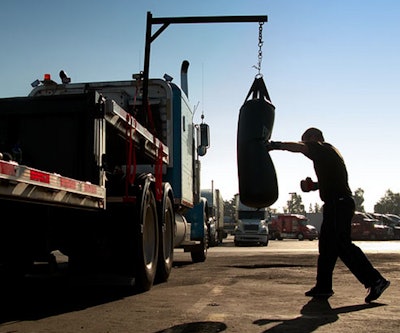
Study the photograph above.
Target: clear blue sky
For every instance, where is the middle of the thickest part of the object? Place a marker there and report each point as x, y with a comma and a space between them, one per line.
330, 64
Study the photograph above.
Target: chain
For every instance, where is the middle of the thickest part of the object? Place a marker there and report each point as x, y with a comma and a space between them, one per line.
260, 44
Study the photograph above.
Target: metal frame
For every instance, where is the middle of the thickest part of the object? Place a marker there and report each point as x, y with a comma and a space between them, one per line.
166, 21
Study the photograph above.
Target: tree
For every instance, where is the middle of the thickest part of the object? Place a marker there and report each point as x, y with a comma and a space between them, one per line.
390, 203
359, 200
316, 209
294, 204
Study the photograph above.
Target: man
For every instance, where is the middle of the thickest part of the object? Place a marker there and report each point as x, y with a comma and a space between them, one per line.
338, 209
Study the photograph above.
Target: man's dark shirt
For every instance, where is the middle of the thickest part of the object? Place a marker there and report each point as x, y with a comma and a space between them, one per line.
330, 170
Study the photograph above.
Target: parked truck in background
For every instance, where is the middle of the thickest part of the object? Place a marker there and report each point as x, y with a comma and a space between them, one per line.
229, 224
251, 224
292, 226
215, 210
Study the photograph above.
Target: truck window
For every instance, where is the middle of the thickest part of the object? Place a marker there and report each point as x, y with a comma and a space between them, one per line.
303, 222
252, 214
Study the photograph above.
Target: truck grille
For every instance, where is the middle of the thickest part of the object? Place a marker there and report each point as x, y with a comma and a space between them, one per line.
251, 227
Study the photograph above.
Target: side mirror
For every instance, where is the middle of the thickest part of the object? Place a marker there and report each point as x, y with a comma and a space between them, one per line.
203, 139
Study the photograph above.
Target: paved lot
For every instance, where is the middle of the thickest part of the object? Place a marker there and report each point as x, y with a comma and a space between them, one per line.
237, 289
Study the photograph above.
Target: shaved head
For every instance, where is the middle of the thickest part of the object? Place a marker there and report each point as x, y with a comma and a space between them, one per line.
312, 134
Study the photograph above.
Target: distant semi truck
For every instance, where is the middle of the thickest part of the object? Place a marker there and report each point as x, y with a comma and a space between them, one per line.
292, 226
251, 224
215, 205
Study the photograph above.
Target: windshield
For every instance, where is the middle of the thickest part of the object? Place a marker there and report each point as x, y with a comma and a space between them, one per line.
303, 222
256, 214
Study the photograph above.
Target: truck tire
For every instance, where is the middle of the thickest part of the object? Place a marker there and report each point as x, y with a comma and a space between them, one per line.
300, 236
13, 272
147, 240
166, 216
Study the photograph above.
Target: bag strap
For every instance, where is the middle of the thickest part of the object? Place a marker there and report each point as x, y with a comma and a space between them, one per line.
259, 90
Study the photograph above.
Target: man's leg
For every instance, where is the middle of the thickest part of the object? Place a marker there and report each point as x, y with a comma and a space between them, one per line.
354, 258
351, 255
326, 259
327, 255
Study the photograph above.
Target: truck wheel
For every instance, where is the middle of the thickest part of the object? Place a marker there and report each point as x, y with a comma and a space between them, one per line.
147, 237
300, 236
12, 272
166, 216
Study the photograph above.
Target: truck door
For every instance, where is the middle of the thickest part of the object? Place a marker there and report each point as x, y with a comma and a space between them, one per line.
295, 224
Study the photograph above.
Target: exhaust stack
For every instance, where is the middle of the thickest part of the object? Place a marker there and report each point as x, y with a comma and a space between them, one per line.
184, 77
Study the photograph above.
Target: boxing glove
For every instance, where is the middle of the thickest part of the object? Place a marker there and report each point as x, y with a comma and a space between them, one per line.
308, 185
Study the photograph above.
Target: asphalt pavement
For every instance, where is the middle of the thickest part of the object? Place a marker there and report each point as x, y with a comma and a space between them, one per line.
236, 290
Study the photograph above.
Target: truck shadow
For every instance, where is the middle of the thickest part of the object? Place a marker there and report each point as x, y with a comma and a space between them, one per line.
34, 298
314, 314
201, 326
42, 295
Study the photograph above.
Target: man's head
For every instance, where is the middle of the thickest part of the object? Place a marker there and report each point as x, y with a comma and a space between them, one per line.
312, 135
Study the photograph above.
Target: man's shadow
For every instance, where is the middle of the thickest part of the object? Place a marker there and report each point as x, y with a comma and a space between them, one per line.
316, 313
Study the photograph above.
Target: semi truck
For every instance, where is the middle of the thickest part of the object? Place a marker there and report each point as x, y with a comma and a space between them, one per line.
215, 209
251, 224
291, 226
107, 173
82, 174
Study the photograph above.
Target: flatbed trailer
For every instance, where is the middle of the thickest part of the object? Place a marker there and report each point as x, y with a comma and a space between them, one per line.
58, 180
25, 183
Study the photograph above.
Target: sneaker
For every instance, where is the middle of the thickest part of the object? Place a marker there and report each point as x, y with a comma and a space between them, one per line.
376, 290
319, 293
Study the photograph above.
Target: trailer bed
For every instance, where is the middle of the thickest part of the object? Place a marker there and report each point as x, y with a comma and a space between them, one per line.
62, 142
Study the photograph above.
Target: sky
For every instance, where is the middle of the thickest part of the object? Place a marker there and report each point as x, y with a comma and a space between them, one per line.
334, 65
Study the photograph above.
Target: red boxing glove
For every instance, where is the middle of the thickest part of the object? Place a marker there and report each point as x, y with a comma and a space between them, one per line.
308, 185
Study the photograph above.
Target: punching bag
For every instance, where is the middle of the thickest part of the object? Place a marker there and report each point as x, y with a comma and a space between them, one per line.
258, 186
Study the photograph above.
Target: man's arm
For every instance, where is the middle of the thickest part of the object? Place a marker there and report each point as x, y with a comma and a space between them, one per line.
294, 147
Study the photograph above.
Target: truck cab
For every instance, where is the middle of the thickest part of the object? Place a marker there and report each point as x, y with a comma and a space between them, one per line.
292, 226
251, 231
251, 225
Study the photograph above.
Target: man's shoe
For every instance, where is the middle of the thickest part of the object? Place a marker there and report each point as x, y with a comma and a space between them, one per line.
319, 293
376, 290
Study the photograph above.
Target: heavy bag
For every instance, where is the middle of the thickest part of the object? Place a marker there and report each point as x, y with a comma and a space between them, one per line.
258, 185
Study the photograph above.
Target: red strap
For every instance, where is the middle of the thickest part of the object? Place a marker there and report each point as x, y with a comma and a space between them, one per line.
158, 173
130, 154
150, 117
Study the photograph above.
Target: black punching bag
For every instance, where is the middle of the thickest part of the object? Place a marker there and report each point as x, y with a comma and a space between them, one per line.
258, 186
